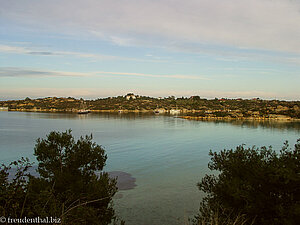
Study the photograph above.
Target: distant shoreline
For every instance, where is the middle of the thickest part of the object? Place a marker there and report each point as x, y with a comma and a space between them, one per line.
192, 108
203, 118
275, 117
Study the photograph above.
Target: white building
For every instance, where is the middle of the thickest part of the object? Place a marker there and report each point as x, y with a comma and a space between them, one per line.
130, 96
174, 111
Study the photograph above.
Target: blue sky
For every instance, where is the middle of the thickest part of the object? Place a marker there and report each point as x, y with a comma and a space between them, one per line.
100, 48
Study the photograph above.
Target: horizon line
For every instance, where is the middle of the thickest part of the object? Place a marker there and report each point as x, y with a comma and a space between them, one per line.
162, 97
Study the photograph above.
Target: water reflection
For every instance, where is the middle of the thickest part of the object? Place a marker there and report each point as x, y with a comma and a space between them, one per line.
280, 125
94, 115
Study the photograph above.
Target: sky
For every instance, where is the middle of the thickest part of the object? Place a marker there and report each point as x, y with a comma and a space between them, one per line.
99, 48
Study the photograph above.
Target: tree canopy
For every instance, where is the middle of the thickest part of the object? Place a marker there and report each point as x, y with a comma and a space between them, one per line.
71, 184
258, 184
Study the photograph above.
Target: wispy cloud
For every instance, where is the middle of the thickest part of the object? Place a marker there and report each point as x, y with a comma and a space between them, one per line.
258, 24
176, 76
37, 51
28, 50
237, 54
25, 72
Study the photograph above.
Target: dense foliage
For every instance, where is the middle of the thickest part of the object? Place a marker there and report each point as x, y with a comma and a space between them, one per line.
67, 187
260, 185
234, 108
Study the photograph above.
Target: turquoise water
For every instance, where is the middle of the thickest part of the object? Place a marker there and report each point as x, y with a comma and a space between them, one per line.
166, 155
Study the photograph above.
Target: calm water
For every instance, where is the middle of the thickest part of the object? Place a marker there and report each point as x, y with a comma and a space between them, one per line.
166, 155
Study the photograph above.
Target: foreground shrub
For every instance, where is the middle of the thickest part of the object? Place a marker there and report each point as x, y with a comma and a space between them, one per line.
67, 188
260, 185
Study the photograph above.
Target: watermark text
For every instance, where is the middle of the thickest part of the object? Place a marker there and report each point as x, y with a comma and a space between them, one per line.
33, 220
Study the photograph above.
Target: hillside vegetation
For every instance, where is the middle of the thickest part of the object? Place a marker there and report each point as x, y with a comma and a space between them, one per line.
192, 107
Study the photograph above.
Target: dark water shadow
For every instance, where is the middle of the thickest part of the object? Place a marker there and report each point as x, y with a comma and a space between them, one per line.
125, 181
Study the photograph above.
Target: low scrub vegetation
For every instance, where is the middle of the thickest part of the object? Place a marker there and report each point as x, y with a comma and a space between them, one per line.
252, 186
67, 187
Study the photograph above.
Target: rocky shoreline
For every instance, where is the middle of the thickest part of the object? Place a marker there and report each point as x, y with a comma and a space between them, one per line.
273, 118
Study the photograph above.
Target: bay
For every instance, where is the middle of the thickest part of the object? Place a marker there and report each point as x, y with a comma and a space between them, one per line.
166, 155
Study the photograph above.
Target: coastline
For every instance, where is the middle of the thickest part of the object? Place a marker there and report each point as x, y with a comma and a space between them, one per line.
207, 118
273, 117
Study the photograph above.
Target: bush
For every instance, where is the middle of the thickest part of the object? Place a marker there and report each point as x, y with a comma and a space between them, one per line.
68, 186
13, 191
261, 185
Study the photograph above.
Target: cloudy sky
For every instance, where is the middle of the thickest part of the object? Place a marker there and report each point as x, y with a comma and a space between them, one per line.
100, 48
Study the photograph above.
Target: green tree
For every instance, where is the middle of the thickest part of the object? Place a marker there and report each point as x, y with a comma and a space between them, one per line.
71, 184
260, 184
13, 191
